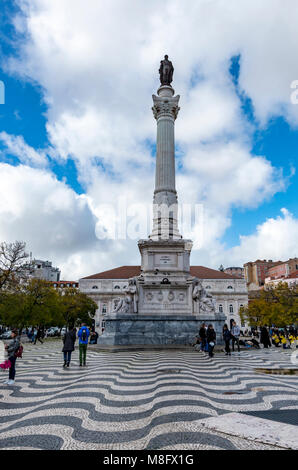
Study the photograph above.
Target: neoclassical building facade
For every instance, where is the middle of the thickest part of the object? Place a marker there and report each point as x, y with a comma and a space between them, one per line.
108, 288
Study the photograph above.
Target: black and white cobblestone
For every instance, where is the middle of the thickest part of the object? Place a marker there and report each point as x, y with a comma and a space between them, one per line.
139, 400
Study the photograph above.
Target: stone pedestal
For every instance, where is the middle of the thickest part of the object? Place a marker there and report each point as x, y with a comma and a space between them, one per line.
127, 329
165, 284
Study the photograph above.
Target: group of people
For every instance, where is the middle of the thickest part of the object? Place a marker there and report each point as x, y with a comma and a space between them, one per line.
285, 338
207, 338
69, 340
14, 348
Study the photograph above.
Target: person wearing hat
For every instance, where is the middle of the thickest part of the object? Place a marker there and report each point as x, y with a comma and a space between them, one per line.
11, 348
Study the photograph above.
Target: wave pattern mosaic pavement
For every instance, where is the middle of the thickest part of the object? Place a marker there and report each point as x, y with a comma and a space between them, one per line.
137, 400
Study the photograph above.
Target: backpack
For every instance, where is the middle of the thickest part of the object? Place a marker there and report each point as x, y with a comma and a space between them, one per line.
19, 351
84, 335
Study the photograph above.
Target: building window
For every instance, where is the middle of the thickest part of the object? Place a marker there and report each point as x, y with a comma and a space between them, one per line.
208, 287
104, 308
117, 287
230, 287
94, 287
231, 309
220, 308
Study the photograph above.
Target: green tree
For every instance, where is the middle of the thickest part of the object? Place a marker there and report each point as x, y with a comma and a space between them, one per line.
76, 307
34, 303
272, 306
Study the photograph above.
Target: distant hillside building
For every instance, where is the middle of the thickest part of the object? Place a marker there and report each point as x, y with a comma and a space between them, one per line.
38, 269
291, 280
235, 271
283, 272
257, 272
283, 269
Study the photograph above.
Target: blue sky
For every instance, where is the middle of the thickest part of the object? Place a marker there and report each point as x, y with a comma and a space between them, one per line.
256, 126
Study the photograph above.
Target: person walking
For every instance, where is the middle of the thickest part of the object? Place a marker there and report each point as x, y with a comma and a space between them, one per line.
83, 335
38, 336
235, 336
211, 339
203, 337
227, 338
12, 348
69, 340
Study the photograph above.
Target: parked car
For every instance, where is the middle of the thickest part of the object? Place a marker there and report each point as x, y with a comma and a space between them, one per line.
53, 331
6, 335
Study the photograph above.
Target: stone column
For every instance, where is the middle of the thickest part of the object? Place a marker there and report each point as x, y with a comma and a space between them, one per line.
165, 211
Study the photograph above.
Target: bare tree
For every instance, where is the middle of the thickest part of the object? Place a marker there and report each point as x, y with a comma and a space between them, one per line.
12, 257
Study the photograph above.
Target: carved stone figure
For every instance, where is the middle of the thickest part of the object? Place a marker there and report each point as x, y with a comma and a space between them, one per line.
133, 292
166, 70
124, 305
205, 299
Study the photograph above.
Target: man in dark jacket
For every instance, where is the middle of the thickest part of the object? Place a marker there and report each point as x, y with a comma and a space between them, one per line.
69, 340
39, 335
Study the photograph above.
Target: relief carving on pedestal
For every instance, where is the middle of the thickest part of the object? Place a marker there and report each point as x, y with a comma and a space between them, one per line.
160, 296
171, 296
149, 296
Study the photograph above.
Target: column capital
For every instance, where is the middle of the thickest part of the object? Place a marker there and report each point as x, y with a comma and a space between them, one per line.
165, 106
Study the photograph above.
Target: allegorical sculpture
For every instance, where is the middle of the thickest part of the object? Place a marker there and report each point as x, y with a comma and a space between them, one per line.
129, 304
206, 301
166, 70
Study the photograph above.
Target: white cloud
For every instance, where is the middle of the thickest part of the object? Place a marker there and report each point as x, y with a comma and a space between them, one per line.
276, 239
97, 64
16, 146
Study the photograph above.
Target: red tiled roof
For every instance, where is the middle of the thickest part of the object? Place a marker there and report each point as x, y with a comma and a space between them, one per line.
125, 272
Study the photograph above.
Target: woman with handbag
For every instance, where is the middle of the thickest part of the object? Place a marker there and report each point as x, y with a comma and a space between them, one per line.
227, 336
12, 348
211, 339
